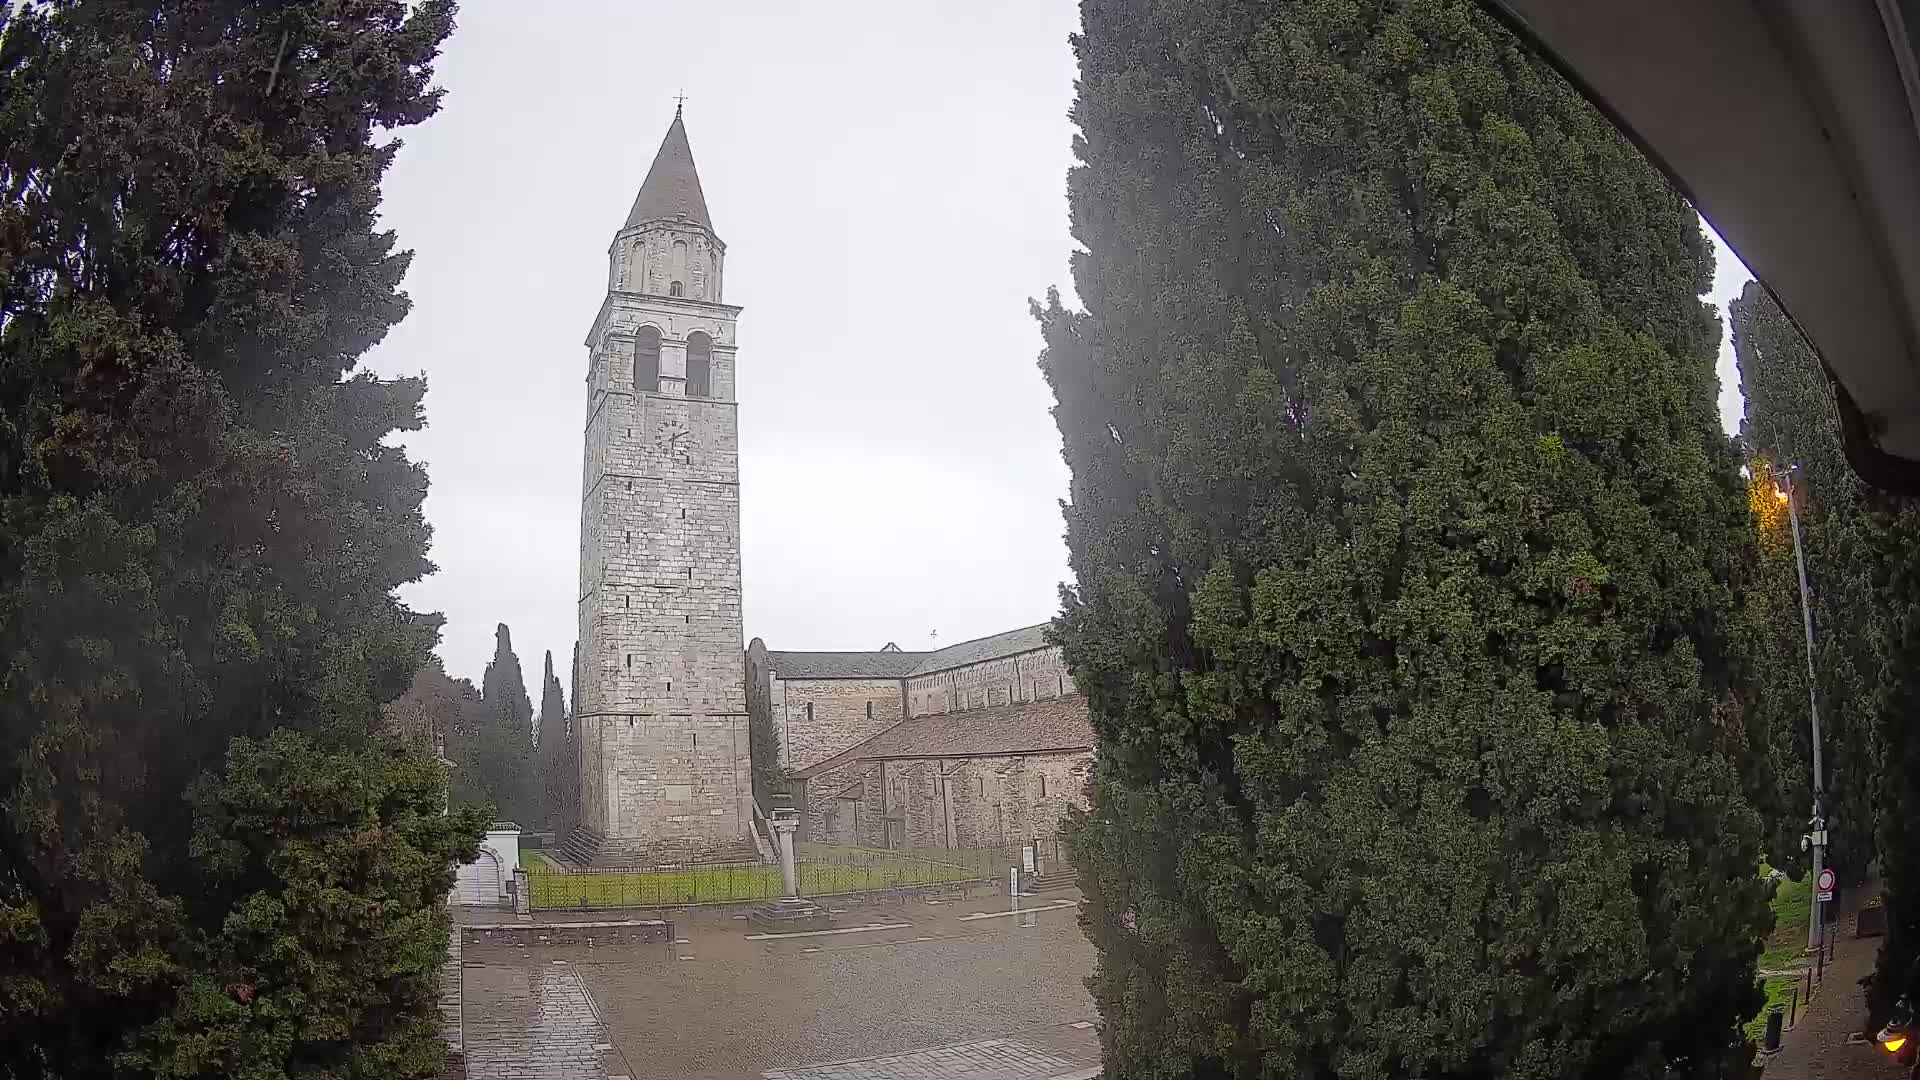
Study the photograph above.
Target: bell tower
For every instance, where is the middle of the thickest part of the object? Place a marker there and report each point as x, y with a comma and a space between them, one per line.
661, 712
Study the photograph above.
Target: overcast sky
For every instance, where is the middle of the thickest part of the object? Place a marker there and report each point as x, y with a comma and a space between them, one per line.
889, 178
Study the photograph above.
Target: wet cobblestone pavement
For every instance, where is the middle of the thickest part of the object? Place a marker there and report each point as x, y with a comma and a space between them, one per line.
934, 995
528, 1024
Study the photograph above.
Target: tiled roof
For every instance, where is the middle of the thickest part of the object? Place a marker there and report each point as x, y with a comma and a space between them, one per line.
1026, 727
979, 650
672, 187
887, 664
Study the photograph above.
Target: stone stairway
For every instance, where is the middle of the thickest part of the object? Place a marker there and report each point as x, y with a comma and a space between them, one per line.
1053, 879
581, 847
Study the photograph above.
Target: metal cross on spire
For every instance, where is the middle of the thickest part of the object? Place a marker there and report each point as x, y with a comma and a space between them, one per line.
679, 100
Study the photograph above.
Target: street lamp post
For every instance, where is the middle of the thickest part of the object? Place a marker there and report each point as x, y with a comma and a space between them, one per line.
1817, 838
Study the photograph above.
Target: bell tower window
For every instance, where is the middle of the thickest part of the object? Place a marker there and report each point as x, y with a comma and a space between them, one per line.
646, 361
699, 365
676, 289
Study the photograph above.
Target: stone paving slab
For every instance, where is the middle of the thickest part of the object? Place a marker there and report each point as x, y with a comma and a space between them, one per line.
985, 1059
531, 1024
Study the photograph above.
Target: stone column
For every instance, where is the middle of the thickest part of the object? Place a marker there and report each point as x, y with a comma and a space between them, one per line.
783, 830
790, 910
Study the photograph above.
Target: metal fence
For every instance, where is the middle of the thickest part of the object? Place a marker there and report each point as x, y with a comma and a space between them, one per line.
820, 873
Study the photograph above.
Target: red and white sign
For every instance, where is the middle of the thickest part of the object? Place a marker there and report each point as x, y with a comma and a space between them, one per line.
1824, 886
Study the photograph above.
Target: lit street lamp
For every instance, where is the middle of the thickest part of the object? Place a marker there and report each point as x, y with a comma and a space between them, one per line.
1816, 838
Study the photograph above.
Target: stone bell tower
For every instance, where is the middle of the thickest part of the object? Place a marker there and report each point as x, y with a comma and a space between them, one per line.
661, 710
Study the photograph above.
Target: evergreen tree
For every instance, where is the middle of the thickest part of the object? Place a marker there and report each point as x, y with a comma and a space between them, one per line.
494, 762
1791, 425
556, 758
211, 863
1407, 547
1863, 565
1894, 531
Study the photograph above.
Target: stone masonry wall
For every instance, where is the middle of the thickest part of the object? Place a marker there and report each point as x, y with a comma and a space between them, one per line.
662, 699
649, 257
814, 719
996, 802
827, 813
1029, 676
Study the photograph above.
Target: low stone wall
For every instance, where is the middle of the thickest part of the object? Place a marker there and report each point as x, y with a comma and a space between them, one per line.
610, 932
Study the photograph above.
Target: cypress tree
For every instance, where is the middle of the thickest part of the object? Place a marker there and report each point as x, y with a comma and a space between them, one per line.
212, 863
1895, 534
556, 759
495, 762
1406, 547
1790, 423
1863, 565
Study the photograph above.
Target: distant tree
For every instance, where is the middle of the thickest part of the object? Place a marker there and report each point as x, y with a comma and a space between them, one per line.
494, 761
212, 862
1407, 550
436, 710
556, 756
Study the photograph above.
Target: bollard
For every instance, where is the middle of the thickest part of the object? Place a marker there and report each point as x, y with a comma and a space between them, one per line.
1775, 1017
1793, 1008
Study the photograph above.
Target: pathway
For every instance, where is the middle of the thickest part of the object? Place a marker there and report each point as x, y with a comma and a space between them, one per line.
1817, 1047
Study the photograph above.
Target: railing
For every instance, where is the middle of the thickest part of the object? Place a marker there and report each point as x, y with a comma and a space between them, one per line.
820, 874
762, 836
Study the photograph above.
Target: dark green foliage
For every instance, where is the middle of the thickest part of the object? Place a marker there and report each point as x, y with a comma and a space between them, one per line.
1790, 422
342, 860
1407, 548
494, 761
763, 747
202, 522
1863, 565
1894, 531
557, 773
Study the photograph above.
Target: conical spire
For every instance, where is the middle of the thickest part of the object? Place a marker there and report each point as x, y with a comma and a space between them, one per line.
672, 186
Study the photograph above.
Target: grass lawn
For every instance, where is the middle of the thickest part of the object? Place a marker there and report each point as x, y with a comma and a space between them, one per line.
1786, 946
1777, 990
1792, 910
549, 886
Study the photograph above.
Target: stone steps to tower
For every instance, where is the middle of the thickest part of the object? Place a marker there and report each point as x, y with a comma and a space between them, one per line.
581, 847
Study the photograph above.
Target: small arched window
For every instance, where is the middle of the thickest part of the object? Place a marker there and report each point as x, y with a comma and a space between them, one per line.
676, 289
699, 365
646, 361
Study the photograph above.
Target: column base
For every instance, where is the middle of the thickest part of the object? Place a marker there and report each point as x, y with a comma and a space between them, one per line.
791, 913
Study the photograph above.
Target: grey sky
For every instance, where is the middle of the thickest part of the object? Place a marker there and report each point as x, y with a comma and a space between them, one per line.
889, 178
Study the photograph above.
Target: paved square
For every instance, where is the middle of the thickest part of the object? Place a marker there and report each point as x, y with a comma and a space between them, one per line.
926, 995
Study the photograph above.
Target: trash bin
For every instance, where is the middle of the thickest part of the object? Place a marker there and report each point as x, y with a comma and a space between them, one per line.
1776, 1020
